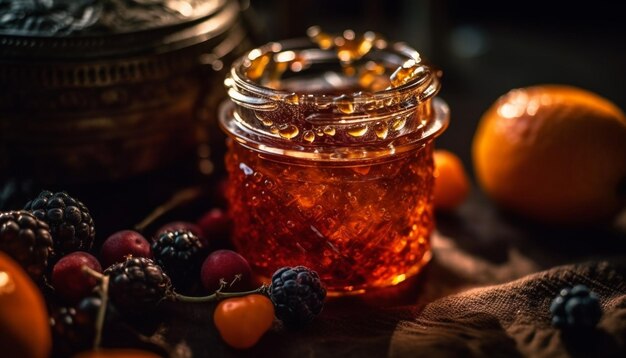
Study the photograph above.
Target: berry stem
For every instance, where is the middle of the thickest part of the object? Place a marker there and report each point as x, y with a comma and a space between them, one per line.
179, 198
93, 273
104, 296
219, 295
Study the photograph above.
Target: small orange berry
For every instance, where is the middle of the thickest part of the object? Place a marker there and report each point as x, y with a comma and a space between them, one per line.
451, 183
243, 320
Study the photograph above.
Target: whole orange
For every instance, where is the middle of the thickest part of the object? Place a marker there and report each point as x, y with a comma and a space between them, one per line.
553, 153
24, 326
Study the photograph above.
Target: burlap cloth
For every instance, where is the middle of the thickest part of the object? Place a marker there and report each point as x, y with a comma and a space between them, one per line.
513, 319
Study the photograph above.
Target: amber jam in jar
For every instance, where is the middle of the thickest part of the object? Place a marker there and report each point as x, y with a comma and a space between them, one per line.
330, 163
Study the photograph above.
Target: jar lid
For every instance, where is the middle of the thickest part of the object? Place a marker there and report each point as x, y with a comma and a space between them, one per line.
91, 28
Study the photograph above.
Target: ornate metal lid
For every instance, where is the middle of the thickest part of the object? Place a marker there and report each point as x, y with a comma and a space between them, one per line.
85, 28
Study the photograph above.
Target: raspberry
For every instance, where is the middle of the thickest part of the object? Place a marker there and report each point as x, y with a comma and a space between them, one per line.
71, 225
137, 285
576, 308
298, 295
180, 254
27, 240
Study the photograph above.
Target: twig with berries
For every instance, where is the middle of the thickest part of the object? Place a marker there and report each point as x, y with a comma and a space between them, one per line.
220, 294
137, 285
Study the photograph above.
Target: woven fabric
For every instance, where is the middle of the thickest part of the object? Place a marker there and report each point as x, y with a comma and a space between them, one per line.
513, 319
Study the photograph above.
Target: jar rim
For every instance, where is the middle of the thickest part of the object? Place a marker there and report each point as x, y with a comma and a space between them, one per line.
313, 115
338, 154
248, 93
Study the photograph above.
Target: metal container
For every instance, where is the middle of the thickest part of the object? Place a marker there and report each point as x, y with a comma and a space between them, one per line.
108, 89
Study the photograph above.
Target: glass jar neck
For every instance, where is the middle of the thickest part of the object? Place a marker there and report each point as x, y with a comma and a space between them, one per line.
294, 99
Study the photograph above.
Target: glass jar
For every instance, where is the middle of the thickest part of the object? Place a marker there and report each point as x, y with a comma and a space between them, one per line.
330, 163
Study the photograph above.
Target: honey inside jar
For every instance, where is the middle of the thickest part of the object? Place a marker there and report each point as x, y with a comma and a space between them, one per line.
330, 163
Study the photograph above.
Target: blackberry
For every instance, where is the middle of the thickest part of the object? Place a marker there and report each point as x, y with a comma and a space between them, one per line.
576, 308
88, 309
72, 330
298, 295
179, 253
71, 225
137, 285
27, 240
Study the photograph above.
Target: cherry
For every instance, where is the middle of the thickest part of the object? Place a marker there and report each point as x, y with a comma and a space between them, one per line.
225, 265
68, 278
215, 224
184, 226
124, 243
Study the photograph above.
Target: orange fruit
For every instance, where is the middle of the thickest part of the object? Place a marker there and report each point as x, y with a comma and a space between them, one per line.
553, 153
24, 326
451, 183
116, 353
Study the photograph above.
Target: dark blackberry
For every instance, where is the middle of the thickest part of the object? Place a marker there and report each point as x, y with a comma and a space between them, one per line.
137, 285
72, 330
298, 295
88, 309
27, 240
71, 225
180, 254
576, 308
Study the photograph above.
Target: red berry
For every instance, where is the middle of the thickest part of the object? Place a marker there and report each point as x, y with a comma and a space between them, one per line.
184, 226
124, 243
68, 278
225, 265
215, 224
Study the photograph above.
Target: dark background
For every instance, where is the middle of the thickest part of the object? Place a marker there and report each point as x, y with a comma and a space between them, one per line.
484, 48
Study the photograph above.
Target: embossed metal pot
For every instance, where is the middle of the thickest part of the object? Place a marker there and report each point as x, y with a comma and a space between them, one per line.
107, 89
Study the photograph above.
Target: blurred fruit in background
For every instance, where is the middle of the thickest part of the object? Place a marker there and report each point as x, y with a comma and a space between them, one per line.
556, 154
24, 329
117, 353
451, 183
